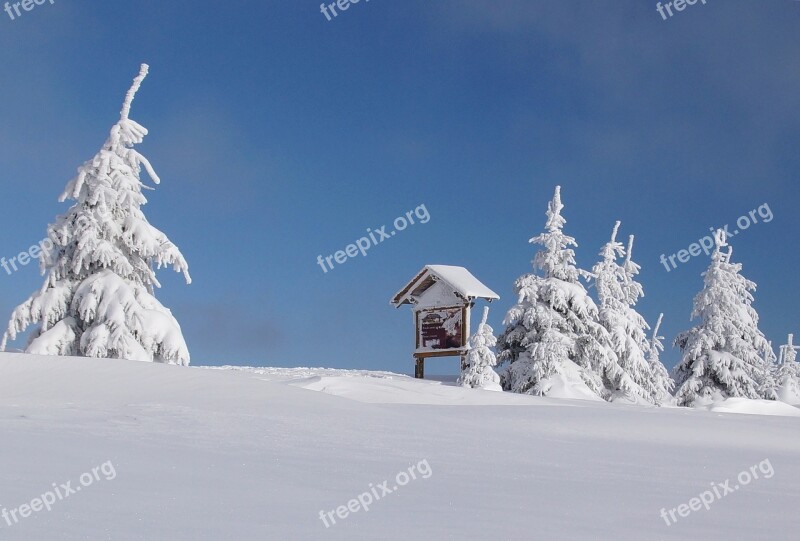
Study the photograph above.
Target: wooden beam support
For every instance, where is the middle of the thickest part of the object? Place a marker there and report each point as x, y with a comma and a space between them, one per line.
419, 368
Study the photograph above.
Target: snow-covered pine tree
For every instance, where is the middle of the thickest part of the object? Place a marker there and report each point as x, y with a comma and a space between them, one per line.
535, 369
788, 374
553, 329
661, 384
97, 299
633, 289
722, 354
661, 378
788, 351
618, 292
478, 371
609, 277
768, 388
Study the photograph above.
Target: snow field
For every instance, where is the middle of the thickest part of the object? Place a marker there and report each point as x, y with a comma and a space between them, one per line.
249, 454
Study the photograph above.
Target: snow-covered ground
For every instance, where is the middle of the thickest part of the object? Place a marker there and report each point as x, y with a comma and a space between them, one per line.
254, 454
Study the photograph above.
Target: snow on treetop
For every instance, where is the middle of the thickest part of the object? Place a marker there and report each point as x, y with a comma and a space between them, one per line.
137, 82
554, 219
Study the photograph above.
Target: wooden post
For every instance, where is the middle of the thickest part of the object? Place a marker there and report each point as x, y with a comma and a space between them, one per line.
419, 368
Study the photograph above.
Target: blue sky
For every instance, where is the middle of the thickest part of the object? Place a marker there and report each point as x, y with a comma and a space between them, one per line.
280, 136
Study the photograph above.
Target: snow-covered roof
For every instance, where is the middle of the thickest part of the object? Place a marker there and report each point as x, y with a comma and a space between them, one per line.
459, 279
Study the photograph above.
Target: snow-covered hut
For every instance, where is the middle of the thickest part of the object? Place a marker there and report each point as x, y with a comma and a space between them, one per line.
441, 297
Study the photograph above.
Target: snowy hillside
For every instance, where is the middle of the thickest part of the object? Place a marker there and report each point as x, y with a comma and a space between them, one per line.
208, 454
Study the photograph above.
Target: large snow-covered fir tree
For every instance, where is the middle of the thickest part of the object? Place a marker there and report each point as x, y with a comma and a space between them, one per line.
725, 355
553, 331
618, 292
478, 370
97, 299
788, 373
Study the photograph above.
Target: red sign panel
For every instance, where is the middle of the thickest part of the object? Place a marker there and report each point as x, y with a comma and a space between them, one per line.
440, 329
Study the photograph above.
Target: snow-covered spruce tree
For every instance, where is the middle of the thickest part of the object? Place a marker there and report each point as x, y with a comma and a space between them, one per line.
609, 277
97, 299
768, 388
722, 355
662, 380
478, 371
661, 384
788, 374
618, 292
553, 329
544, 360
